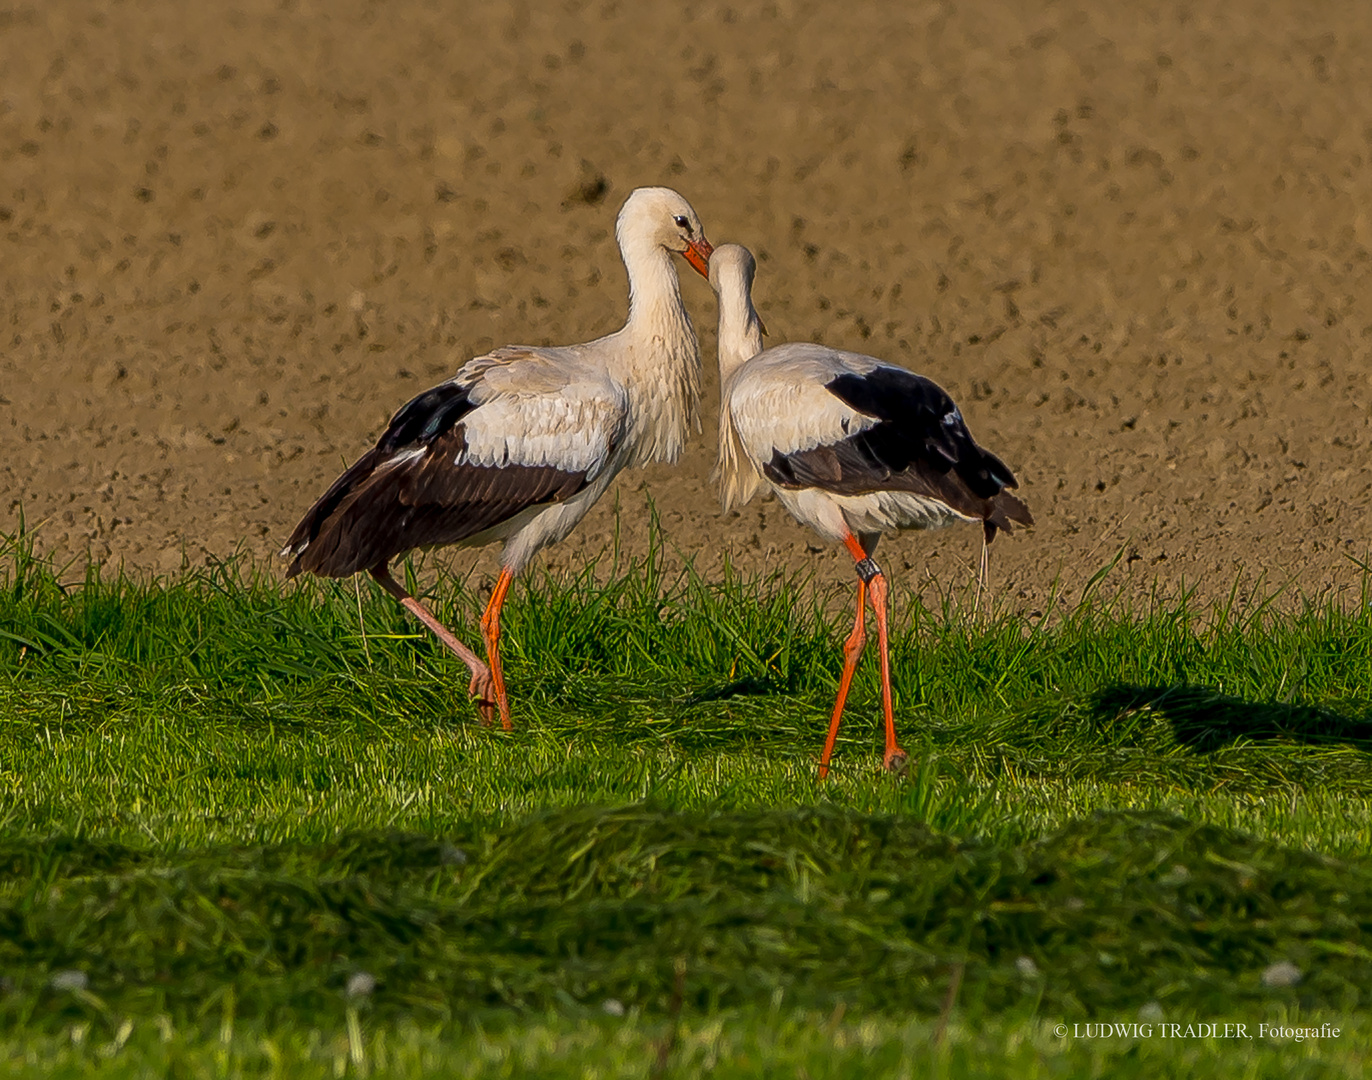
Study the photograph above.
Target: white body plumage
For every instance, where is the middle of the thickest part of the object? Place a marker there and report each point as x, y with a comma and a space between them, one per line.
777, 401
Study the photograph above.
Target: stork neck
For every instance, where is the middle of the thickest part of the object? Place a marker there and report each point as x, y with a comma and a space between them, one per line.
654, 290
740, 330
661, 365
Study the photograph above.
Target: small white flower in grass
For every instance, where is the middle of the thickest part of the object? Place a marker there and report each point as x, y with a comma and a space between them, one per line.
1176, 875
613, 1006
361, 984
1282, 973
69, 980
449, 855
1151, 1013
1025, 966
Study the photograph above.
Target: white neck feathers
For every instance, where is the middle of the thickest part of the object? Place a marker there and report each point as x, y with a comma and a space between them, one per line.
740, 331
740, 339
657, 356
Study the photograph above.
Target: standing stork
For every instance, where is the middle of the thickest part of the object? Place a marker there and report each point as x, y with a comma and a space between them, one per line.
521, 442
853, 447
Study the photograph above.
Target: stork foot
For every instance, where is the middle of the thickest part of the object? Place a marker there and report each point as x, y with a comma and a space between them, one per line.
482, 688
896, 761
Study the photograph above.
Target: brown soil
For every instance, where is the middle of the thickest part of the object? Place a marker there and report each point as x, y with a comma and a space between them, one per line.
1132, 240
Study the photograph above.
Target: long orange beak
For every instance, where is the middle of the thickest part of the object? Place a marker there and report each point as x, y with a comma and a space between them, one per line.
697, 253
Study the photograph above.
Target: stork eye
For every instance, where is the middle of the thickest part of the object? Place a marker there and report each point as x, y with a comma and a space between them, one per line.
683, 223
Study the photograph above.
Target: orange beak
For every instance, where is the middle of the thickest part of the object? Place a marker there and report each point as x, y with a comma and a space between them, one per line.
697, 253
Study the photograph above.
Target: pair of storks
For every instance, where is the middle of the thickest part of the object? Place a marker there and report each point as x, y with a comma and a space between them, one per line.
521, 442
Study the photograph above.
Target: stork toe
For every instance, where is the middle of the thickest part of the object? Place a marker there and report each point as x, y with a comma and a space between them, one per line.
482, 687
896, 761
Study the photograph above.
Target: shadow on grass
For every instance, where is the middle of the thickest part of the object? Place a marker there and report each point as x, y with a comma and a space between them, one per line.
748, 686
654, 908
1205, 720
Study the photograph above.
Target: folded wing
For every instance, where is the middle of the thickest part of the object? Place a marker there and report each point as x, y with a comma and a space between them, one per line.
908, 435
463, 458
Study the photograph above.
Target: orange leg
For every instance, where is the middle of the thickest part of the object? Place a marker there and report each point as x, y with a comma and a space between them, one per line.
481, 686
894, 757
852, 650
490, 628
983, 575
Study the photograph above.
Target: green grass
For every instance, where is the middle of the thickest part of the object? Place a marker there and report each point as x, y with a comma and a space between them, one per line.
221, 798
816, 907
760, 1044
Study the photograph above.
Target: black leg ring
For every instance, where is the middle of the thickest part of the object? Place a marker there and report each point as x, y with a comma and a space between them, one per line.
867, 569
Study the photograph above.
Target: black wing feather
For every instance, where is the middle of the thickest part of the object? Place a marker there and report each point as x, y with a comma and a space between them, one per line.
380, 509
423, 419
920, 444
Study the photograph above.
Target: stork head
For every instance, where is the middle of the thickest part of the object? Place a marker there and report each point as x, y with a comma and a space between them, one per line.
661, 217
732, 269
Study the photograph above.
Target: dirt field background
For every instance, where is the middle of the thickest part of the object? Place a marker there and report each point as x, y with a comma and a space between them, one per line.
1131, 239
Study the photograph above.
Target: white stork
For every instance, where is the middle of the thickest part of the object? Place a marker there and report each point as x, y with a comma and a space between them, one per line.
853, 447
521, 442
